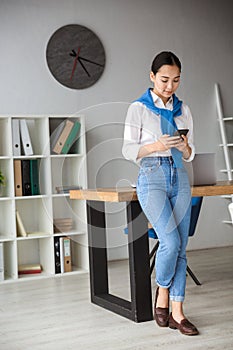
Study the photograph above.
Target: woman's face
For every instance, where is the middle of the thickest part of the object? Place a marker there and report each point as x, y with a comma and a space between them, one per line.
166, 81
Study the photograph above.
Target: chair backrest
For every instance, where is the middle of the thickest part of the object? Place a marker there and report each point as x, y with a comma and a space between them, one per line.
196, 207
195, 210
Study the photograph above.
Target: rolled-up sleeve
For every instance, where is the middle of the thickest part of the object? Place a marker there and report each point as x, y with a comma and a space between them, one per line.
132, 133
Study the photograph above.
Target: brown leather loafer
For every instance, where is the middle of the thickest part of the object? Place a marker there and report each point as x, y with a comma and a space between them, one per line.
185, 327
161, 314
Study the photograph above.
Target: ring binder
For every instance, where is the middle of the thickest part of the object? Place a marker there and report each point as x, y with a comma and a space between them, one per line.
16, 137
18, 177
25, 138
26, 181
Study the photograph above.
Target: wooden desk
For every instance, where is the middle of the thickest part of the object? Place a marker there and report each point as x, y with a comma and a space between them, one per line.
139, 309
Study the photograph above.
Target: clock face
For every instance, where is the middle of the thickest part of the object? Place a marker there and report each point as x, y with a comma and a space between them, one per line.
75, 56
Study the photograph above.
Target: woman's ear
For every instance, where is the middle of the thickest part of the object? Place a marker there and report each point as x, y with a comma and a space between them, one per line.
152, 77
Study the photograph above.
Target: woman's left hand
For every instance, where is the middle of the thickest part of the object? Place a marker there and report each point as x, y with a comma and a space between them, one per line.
183, 147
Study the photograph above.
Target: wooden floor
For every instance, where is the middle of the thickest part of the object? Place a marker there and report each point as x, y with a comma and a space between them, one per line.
56, 313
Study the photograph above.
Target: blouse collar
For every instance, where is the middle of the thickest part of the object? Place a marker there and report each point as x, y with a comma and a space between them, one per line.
158, 100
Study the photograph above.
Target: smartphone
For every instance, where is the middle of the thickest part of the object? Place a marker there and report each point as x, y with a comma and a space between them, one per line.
180, 132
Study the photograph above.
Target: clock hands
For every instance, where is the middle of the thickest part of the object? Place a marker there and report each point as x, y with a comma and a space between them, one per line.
84, 67
80, 59
75, 63
85, 59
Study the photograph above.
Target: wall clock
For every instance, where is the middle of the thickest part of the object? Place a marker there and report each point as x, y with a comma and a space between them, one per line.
75, 56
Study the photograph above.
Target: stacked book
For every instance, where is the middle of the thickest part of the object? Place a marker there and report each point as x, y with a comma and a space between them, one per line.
62, 225
64, 136
26, 176
67, 189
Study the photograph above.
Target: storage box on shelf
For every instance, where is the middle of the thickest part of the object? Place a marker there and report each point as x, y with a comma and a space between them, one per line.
37, 212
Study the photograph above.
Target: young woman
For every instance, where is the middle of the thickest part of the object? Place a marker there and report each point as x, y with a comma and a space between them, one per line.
163, 188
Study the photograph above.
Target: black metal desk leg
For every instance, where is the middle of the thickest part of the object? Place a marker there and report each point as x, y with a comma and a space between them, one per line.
97, 248
141, 299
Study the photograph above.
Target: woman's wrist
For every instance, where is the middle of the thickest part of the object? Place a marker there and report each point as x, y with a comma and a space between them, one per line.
157, 146
187, 152
145, 150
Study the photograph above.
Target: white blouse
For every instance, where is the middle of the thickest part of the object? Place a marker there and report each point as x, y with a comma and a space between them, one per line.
142, 127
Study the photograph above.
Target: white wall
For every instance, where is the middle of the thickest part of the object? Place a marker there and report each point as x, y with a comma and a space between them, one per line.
132, 31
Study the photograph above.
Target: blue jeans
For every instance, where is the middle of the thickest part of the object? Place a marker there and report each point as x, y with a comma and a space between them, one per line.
165, 197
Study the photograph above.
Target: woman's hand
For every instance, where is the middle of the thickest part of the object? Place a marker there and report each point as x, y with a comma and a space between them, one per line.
183, 147
179, 142
167, 142
164, 143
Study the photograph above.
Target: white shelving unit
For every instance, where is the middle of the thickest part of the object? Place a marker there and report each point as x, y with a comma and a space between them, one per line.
226, 131
38, 211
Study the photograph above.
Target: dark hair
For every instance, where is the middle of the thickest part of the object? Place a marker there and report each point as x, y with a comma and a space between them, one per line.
165, 58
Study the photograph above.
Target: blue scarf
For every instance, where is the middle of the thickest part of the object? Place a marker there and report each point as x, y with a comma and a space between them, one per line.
167, 122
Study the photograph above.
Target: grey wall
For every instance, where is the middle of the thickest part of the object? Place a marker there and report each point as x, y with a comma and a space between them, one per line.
132, 31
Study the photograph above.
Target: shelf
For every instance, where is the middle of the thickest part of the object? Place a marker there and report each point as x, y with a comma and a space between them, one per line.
36, 251
225, 119
6, 167
69, 234
67, 171
225, 170
37, 212
6, 198
6, 239
34, 156
75, 271
35, 275
227, 222
64, 207
31, 197
7, 219
39, 134
58, 195
78, 146
227, 196
4, 158
10, 266
47, 235
39, 219
66, 155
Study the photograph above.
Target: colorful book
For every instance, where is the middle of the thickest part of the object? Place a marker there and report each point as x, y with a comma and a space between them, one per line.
55, 135
63, 136
26, 181
71, 138
34, 177
18, 178
65, 254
